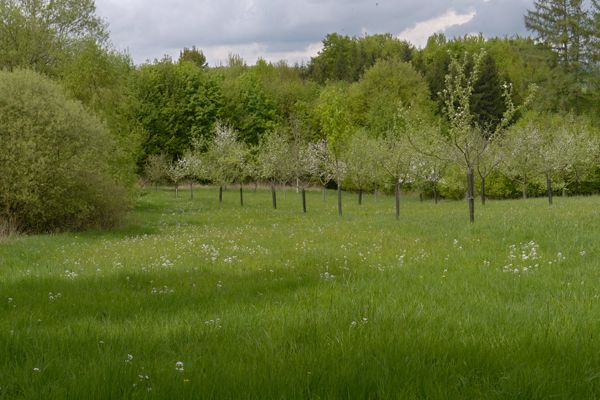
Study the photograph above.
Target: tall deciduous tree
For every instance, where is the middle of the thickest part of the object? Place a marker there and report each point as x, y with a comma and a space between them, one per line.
336, 123
37, 33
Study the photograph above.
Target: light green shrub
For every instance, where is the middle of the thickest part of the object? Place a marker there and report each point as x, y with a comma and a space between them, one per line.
55, 159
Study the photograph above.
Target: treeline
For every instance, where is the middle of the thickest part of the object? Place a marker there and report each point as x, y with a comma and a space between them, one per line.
368, 88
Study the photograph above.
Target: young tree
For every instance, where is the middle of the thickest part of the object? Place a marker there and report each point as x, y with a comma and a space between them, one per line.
176, 172
467, 140
273, 160
521, 145
155, 169
336, 123
487, 163
397, 157
226, 157
319, 164
360, 158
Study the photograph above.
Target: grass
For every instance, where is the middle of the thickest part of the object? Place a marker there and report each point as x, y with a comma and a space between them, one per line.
272, 304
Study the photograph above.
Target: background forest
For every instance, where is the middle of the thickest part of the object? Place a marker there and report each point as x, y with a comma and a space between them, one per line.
80, 124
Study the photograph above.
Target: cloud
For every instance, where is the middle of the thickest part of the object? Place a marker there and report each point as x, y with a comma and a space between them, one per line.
275, 29
419, 34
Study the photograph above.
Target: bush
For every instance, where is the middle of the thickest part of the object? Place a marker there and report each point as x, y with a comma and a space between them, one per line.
55, 160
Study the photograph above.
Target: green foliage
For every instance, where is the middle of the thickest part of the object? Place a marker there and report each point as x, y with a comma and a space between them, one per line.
248, 108
335, 117
226, 157
55, 159
176, 104
385, 86
100, 79
37, 34
346, 58
193, 56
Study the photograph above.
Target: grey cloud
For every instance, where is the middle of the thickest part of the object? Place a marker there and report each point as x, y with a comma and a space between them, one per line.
151, 28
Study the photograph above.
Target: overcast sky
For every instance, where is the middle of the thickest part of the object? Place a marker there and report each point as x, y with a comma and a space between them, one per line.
293, 29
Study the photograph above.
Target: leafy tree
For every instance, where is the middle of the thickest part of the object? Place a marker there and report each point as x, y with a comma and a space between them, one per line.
397, 157
55, 159
37, 34
176, 171
361, 161
382, 88
226, 159
336, 123
346, 58
176, 104
155, 169
247, 107
193, 56
468, 141
274, 160
319, 164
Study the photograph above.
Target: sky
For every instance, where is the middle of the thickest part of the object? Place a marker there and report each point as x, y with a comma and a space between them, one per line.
293, 30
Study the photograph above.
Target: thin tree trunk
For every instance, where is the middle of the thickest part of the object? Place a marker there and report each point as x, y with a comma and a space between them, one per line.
564, 192
435, 194
274, 195
339, 192
397, 192
156, 187
255, 186
220, 194
549, 188
471, 194
324, 192
191, 190
176, 191
483, 191
360, 197
525, 188
421, 197
303, 200
241, 195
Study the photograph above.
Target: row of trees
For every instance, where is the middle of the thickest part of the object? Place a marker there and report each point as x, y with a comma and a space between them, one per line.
413, 151
432, 109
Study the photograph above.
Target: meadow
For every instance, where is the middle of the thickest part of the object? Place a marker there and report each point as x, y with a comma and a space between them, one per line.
192, 299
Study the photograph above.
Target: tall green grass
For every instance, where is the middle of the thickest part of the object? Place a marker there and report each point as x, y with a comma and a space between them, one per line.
273, 304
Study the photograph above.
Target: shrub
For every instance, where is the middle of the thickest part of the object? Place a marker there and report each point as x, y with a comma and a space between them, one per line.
55, 160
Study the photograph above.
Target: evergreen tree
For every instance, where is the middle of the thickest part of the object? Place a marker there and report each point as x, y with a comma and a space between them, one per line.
564, 26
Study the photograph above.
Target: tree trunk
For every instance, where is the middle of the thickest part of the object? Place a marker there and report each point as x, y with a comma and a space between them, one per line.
435, 194
577, 188
339, 193
303, 200
525, 188
220, 194
191, 190
156, 187
421, 197
360, 197
241, 195
483, 191
324, 192
274, 195
397, 192
471, 194
176, 191
564, 192
255, 186
549, 188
